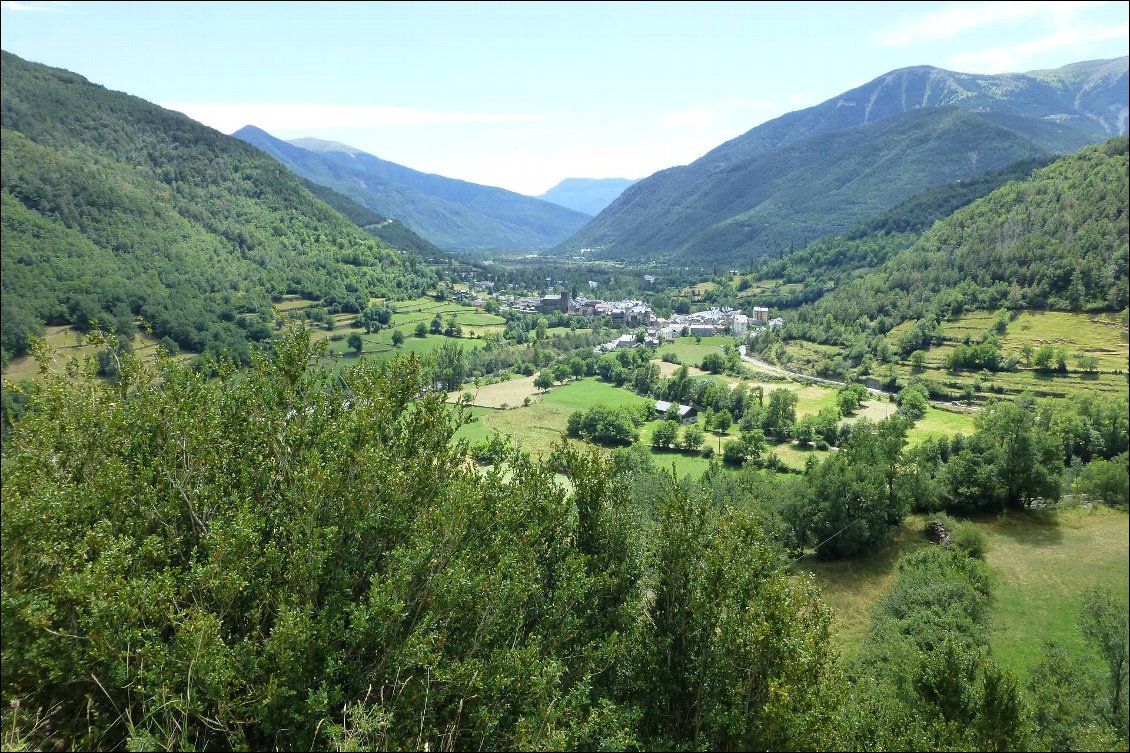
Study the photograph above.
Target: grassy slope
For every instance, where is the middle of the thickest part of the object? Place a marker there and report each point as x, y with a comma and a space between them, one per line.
1040, 562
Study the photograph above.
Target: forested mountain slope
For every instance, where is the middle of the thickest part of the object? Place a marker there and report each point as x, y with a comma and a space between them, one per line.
817, 171
393, 232
1057, 240
823, 264
452, 214
114, 208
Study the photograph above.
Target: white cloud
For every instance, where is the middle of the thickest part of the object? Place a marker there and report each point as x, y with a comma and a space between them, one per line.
1014, 57
284, 116
958, 19
33, 7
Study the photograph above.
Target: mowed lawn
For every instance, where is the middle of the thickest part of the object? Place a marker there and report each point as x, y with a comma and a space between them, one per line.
1041, 562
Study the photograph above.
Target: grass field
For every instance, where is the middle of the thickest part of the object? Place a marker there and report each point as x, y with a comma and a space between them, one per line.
537, 426
1040, 563
692, 353
506, 394
1097, 335
1043, 562
65, 343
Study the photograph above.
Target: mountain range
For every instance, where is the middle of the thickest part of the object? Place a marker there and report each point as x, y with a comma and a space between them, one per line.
452, 214
817, 171
588, 195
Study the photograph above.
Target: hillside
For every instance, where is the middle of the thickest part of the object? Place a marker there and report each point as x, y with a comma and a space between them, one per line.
392, 232
588, 195
827, 262
452, 214
1058, 240
864, 151
114, 208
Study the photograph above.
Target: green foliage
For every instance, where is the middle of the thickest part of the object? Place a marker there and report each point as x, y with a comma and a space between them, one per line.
390, 231
713, 362
665, 434
114, 208
970, 539
544, 380
1021, 246
285, 558
924, 677
913, 400
1103, 618
604, 425
851, 398
1107, 481
1065, 714
722, 605
693, 437
857, 495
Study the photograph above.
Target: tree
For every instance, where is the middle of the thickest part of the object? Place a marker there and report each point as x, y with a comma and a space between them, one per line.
541, 328
421, 330
364, 531
913, 401
1106, 480
918, 359
544, 380
354, 341
780, 413
859, 494
665, 433
850, 398
1087, 362
693, 437
714, 363
1027, 461
397, 338
722, 421
450, 365
1062, 697
1104, 621
436, 326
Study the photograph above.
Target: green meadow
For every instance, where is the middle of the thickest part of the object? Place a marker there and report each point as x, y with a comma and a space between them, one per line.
1040, 561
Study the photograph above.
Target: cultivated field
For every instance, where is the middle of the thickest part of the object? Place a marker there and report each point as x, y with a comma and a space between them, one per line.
1099, 336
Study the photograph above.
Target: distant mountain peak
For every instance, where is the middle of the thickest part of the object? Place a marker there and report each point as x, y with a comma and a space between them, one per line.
312, 144
813, 172
451, 213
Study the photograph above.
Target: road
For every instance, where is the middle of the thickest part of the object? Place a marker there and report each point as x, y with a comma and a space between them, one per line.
833, 383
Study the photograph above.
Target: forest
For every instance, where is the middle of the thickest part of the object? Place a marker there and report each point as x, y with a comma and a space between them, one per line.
289, 557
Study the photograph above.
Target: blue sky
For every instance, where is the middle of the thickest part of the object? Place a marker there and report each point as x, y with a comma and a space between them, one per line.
522, 95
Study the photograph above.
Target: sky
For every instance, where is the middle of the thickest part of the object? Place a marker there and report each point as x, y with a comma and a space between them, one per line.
522, 95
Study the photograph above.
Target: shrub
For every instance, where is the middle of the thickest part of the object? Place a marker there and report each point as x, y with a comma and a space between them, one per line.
970, 539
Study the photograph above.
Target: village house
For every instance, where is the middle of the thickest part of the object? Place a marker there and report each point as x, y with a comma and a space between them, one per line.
686, 413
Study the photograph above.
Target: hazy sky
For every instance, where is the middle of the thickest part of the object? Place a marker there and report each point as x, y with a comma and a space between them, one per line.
522, 95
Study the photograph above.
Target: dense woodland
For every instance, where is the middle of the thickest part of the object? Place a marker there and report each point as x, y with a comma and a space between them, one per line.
287, 558
1057, 240
114, 208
